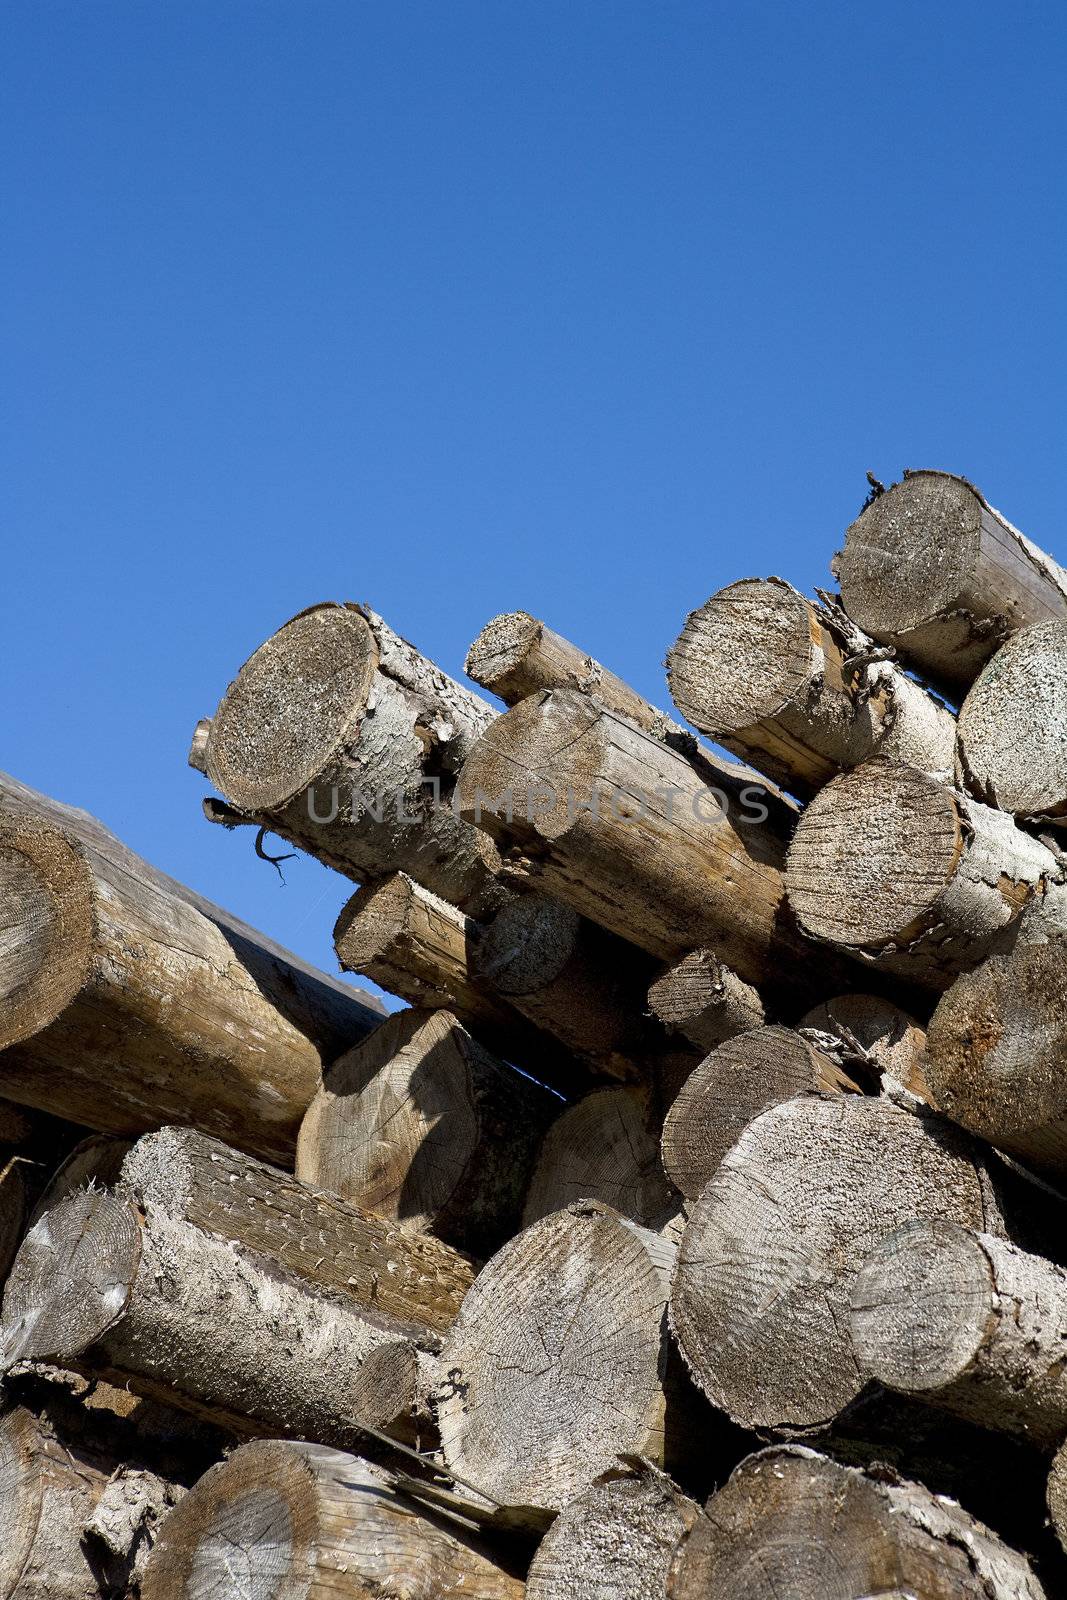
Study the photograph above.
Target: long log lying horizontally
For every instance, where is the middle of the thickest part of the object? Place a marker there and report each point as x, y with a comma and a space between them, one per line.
614, 1542
616, 824
126, 1000
701, 999
732, 1086
339, 736
932, 569
761, 671
1009, 747
995, 1051
969, 1322
557, 1361
762, 1291
913, 877
422, 1125
288, 1518
791, 1523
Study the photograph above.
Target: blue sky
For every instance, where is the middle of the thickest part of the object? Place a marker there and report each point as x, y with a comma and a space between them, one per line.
458, 308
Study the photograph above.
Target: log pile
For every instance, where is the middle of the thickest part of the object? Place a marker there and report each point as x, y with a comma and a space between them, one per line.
690, 1221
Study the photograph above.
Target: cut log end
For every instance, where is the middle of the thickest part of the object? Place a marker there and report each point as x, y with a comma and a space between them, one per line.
294, 704
701, 999
604, 1148
500, 650
615, 1542
1004, 752
886, 1039
922, 1305
374, 919
46, 926
527, 945
1056, 1494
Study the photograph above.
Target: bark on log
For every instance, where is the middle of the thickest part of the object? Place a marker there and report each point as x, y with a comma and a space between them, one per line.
761, 671
574, 980
1056, 1494
182, 1315
557, 1361
910, 876
76, 1526
867, 1033
765, 1270
793, 1523
1010, 750
614, 1542
125, 1001
932, 569
995, 1052
968, 1322
614, 823
423, 1126
332, 735
287, 1518
730, 1088
701, 999
606, 1148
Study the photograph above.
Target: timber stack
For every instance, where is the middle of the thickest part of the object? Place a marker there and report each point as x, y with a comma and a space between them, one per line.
687, 1221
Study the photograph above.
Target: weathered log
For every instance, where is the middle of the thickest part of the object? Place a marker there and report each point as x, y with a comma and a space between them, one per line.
76, 1525
761, 1294
138, 1298
701, 999
793, 1523
1010, 750
126, 1001
762, 671
616, 824
340, 737
287, 1518
13, 1210
968, 1322
606, 1148
732, 1086
1056, 1494
869, 1033
909, 875
995, 1053
558, 1359
932, 569
406, 1277
420, 1124
616, 1541
574, 980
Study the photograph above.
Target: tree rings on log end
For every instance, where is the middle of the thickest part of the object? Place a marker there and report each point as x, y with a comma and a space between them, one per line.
46, 926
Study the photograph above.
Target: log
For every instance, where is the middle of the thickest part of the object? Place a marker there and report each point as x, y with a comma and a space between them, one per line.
76, 1525
13, 1211
114, 976
872, 1034
732, 1086
558, 1359
340, 737
573, 980
423, 1126
284, 1517
606, 1148
764, 1280
1056, 1494
149, 1300
932, 569
968, 1322
995, 1051
762, 671
792, 1523
701, 999
910, 876
15, 1126
1009, 751
617, 825
616, 1541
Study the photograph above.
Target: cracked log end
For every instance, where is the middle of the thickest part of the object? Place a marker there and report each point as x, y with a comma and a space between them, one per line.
294, 705
501, 648
46, 926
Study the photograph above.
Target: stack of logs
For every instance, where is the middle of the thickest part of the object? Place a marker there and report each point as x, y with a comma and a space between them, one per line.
696, 1230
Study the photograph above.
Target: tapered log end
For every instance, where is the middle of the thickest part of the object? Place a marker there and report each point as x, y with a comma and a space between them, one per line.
871, 855
745, 655
500, 648
71, 1279
372, 921
526, 945
46, 926
928, 526
921, 1306
292, 707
